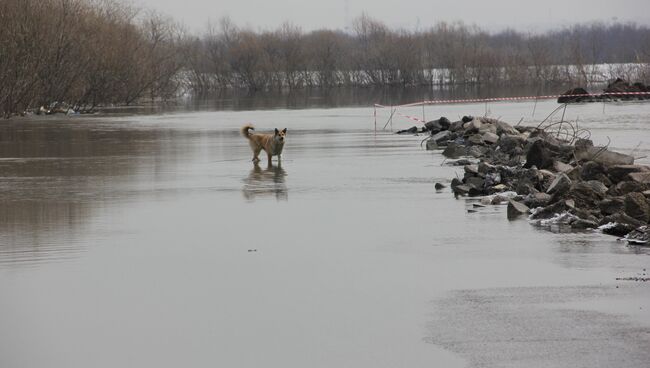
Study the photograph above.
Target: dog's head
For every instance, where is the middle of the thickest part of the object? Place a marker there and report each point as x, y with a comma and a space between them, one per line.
280, 134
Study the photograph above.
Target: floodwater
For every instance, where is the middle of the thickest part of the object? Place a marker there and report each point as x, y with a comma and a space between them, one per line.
153, 241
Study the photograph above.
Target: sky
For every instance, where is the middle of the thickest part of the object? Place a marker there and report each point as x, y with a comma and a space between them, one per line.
491, 15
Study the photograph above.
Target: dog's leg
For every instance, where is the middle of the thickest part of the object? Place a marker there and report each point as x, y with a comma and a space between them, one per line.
279, 159
269, 156
256, 153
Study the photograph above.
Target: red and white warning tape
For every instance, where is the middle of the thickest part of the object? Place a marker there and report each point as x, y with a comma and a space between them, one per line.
498, 99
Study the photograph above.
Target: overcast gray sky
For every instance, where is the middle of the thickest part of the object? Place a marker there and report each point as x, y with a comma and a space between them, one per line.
333, 14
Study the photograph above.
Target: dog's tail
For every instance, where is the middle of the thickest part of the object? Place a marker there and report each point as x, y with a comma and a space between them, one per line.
245, 130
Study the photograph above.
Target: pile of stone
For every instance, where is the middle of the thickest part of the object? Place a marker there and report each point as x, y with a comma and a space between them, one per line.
553, 180
616, 91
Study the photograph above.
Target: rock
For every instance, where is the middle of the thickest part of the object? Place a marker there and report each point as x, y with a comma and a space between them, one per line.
640, 177
439, 186
550, 210
574, 174
583, 143
574, 95
539, 155
623, 219
488, 128
456, 126
432, 145
591, 170
477, 151
454, 150
476, 140
411, 130
618, 173
444, 122
484, 168
560, 166
524, 187
476, 182
498, 199
584, 224
585, 214
588, 194
508, 143
472, 126
637, 207
471, 169
502, 127
461, 162
595, 186
437, 125
626, 187
492, 179
538, 199
461, 189
561, 183
610, 206
639, 236
604, 156
490, 138
617, 229
442, 136
516, 209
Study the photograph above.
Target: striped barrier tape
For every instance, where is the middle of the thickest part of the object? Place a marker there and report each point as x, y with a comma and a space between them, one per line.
522, 98
498, 99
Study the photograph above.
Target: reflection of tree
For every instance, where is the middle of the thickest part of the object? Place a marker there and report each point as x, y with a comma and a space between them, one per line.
56, 175
266, 182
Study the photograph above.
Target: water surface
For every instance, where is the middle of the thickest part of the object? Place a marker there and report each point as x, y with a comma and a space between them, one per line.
152, 240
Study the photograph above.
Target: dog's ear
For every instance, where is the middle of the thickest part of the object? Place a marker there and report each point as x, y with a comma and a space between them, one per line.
284, 130
277, 131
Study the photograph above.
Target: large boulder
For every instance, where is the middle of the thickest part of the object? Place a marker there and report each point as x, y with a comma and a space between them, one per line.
472, 126
637, 207
640, 177
560, 184
539, 155
490, 138
535, 200
437, 125
454, 150
516, 209
626, 187
509, 143
618, 173
612, 205
476, 140
592, 170
501, 126
456, 126
440, 137
603, 156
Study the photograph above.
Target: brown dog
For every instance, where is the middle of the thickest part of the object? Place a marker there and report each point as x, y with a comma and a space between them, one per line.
272, 144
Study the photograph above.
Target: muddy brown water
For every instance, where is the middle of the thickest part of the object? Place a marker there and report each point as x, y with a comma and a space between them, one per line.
153, 241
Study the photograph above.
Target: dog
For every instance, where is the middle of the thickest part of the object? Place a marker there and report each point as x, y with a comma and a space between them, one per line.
272, 144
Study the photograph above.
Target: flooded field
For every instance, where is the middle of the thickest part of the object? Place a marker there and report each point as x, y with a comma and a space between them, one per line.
153, 241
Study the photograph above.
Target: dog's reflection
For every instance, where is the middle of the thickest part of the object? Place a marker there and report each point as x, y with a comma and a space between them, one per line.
266, 182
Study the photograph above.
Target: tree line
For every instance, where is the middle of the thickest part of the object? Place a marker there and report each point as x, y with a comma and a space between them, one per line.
98, 52
226, 56
84, 53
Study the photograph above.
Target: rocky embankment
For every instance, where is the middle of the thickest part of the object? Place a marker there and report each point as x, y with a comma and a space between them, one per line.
568, 182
